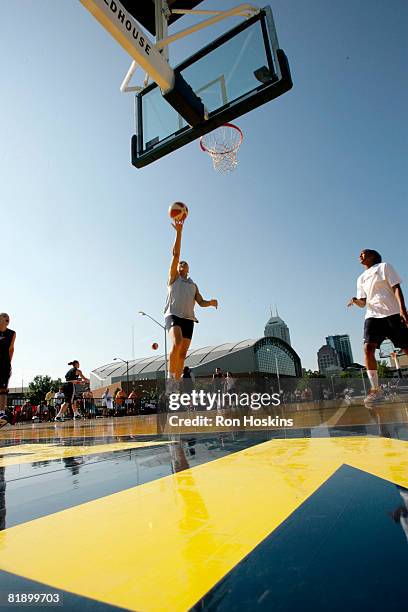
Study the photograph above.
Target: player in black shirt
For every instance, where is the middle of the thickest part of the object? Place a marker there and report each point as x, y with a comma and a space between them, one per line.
7, 339
72, 378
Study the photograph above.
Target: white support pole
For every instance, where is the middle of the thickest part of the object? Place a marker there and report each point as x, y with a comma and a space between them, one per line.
364, 385
161, 25
125, 30
277, 373
219, 16
124, 88
246, 12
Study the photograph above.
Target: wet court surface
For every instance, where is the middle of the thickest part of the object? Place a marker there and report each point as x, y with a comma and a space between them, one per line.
109, 514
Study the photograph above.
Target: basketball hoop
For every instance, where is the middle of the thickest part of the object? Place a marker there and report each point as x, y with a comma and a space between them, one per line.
222, 145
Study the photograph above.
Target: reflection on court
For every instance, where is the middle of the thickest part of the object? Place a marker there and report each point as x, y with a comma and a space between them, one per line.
219, 521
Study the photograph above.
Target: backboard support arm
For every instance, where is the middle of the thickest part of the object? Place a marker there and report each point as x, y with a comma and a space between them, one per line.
162, 43
126, 31
243, 10
120, 24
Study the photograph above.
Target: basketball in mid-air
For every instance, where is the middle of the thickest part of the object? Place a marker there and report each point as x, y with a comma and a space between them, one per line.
178, 211
155, 346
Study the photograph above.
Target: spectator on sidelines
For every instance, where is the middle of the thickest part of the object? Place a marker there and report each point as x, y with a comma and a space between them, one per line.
59, 399
16, 417
230, 386
133, 402
128, 405
187, 380
218, 385
120, 402
89, 404
229, 383
298, 395
107, 403
49, 398
42, 411
307, 395
218, 380
26, 411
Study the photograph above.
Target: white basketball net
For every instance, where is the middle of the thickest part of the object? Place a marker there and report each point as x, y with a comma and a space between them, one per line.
222, 145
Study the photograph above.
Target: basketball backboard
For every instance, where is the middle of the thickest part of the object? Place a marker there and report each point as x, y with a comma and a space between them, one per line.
239, 71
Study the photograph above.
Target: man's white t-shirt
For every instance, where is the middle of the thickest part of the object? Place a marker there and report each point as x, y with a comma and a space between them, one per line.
375, 284
108, 399
59, 398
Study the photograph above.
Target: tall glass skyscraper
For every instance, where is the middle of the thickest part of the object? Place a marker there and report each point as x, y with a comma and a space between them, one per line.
341, 343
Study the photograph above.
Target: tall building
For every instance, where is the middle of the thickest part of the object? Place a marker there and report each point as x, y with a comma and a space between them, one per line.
277, 328
328, 360
341, 343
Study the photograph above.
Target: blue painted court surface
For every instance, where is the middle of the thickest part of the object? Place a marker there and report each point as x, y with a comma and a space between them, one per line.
106, 517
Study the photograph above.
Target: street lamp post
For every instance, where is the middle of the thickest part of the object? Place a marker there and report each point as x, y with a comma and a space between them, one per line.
127, 372
364, 385
277, 374
277, 370
144, 314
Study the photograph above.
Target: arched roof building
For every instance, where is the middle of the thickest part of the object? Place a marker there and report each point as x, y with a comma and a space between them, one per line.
248, 357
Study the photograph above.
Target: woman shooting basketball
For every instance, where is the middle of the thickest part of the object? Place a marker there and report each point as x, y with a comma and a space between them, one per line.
179, 311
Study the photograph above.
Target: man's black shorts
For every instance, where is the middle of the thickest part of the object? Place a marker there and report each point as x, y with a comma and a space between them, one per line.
393, 328
5, 373
187, 326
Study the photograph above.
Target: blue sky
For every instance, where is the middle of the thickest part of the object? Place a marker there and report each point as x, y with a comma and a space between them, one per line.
85, 236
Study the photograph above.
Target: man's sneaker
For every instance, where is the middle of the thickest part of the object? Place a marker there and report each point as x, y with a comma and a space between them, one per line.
60, 419
375, 396
77, 416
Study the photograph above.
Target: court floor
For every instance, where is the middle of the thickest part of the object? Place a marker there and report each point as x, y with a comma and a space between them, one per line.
110, 514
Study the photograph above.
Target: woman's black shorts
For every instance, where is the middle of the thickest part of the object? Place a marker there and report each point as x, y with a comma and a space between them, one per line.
68, 391
5, 373
376, 330
186, 325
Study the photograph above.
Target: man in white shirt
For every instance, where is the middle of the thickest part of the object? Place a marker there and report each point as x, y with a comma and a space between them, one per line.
378, 289
107, 403
59, 399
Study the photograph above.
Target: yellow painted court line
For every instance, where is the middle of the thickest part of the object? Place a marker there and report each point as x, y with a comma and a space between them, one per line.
32, 453
336, 416
164, 544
